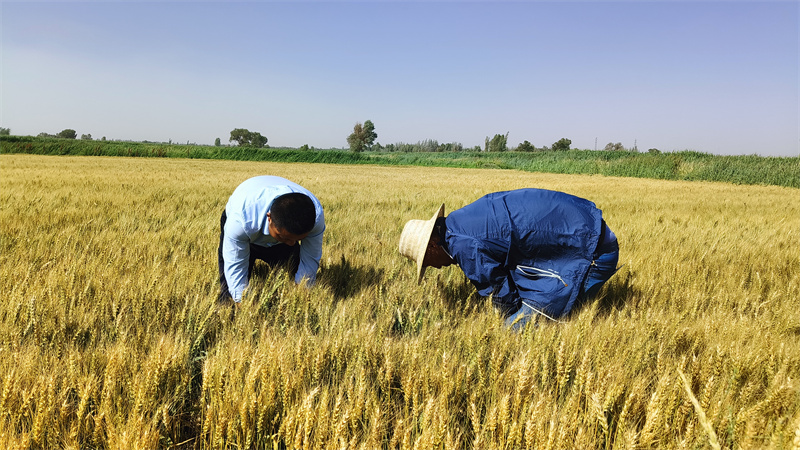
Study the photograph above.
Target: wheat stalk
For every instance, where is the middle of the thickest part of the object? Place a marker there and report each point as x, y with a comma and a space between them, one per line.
707, 426
113, 280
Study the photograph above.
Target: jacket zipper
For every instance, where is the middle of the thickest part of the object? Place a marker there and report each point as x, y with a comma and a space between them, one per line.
540, 273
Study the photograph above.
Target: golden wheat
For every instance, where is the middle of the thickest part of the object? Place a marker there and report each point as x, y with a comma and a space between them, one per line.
110, 338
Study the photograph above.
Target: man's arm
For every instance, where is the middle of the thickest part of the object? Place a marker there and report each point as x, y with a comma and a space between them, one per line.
236, 256
311, 253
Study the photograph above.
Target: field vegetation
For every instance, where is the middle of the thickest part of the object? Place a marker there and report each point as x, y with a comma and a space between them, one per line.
110, 336
684, 165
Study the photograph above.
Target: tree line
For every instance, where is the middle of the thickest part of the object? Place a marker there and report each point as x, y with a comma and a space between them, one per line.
363, 138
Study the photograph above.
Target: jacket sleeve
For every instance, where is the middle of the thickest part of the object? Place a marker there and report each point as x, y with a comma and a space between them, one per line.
483, 262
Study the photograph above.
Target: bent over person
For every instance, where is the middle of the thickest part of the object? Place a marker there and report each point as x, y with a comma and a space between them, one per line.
536, 252
272, 219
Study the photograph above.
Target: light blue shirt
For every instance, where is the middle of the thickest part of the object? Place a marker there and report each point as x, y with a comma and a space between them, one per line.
247, 224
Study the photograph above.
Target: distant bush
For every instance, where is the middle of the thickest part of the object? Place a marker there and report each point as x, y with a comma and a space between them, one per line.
562, 144
526, 147
68, 134
428, 145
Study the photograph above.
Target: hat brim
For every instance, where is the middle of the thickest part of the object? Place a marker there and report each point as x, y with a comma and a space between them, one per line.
423, 234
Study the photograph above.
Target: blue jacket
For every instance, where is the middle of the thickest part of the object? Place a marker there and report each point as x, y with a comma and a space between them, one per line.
528, 243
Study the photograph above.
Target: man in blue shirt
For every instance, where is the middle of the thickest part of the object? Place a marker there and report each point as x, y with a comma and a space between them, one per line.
272, 219
535, 252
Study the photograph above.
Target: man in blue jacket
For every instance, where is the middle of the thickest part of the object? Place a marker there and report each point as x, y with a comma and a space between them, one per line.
272, 219
535, 252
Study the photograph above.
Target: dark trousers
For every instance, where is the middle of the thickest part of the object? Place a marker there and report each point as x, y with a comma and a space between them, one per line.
279, 254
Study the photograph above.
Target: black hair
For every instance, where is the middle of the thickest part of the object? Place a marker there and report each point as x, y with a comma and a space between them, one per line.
293, 212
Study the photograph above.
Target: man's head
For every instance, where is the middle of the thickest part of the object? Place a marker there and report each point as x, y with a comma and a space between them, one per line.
291, 217
435, 255
418, 243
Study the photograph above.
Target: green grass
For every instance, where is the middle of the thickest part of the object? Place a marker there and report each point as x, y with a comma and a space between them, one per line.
685, 165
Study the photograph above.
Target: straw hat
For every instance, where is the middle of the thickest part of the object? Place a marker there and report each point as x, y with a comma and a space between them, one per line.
415, 237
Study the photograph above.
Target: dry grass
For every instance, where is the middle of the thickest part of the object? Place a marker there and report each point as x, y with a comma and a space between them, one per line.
109, 336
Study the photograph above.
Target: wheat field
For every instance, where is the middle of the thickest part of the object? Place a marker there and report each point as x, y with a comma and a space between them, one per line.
110, 336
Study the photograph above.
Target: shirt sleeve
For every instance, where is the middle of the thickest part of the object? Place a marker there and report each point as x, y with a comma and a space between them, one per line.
311, 253
236, 256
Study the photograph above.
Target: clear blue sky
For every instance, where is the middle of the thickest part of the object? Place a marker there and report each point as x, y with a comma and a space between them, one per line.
713, 76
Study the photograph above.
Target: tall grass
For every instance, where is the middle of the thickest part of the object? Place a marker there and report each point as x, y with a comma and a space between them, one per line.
685, 165
110, 338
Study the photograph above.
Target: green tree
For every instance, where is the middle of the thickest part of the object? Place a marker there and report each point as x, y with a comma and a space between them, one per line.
217, 142
68, 134
369, 134
356, 138
497, 143
240, 136
5, 131
363, 136
246, 138
562, 144
526, 147
86, 137
614, 147
257, 140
